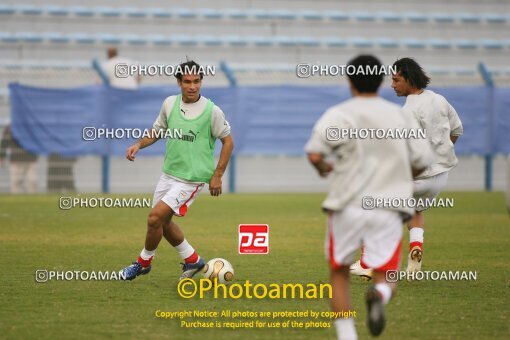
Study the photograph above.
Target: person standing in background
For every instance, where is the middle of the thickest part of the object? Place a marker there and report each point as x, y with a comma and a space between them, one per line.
22, 167
116, 75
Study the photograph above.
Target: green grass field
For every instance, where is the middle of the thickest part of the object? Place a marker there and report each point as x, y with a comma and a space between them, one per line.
36, 234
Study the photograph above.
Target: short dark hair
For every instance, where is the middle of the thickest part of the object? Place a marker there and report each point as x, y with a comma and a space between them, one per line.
411, 71
189, 67
366, 83
112, 52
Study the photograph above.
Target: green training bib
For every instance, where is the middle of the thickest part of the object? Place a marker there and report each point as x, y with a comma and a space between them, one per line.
190, 146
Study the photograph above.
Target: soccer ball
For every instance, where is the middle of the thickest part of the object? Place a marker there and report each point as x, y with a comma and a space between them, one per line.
219, 269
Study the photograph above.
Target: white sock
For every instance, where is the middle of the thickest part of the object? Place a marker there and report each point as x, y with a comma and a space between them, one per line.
345, 329
185, 249
416, 235
385, 291
146, 254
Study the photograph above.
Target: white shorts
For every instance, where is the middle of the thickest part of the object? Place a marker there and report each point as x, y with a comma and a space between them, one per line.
379, 231
176, 194
429, 188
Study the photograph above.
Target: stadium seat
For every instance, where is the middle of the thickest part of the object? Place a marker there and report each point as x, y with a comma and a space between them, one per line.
109, 39
185, 40
160, 40
390, 16
210, 40
387, 43
285, 41
83, 67
57, 11
308, 42
159, 13
490, 44
338, 16
37, 66
363, 16
235, 41
54, 37
29, 10
236, 14
133, 12
82, 38
492, 18
63, 67
260, 14
310, 15
284, 15
465, 44
134, 39
185, 13
12, 66
209, 13
413, 43
496, 73
8, 37
440, 44
58, 64
361, 42
7, 10
416, 17
442, 17
244, 67
30, 37
466, 72
108, 12
335, 42
82, 11
469, 18
439, 71
284, 68
260, 41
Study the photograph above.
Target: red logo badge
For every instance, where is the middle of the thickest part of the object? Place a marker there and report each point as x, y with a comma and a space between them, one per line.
253, 239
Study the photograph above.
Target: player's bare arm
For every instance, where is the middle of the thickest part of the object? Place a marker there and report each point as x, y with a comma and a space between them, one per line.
322, 167
226, 152
140, 144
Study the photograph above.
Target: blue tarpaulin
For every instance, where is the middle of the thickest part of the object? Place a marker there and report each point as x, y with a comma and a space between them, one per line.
265, 120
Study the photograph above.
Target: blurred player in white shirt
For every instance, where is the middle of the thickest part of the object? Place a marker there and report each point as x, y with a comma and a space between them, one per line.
443, 128
118, 79
365, 167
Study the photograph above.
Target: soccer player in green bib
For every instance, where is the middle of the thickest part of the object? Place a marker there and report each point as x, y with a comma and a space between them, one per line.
191, 124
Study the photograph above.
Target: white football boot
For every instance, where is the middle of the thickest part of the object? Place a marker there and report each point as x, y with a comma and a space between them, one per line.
414, 260
356, 269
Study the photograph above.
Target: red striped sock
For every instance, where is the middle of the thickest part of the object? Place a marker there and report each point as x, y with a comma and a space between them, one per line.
192, 259
415, 244
145, 263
